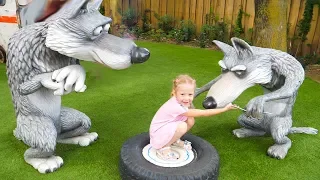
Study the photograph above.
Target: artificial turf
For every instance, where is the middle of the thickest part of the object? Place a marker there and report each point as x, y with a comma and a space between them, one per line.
122, 103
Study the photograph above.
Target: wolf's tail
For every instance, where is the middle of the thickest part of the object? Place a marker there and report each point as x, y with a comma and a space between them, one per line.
306, 130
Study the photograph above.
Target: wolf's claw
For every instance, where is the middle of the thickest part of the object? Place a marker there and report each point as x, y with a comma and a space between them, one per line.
73, 76
278, 151
83, 140
45, 165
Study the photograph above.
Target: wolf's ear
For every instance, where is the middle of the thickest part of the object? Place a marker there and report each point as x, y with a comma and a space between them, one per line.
242, 48
226, 48
69, 9
94, 4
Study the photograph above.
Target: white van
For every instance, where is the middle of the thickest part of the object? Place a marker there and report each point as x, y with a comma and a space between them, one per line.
19, 13
8, 25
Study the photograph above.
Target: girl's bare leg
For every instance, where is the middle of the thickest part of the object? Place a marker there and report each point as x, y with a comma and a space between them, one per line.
190, 122
180, 131
182, 128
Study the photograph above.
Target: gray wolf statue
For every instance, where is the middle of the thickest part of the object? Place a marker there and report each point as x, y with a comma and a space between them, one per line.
43, 64
278, 73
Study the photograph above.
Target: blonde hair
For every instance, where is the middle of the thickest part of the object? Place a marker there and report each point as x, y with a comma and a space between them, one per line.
182, 79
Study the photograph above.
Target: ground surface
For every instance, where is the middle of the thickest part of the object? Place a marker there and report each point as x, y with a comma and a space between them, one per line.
313, 72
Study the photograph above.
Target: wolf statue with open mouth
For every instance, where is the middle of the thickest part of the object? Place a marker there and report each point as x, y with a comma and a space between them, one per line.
280, 76
43, 64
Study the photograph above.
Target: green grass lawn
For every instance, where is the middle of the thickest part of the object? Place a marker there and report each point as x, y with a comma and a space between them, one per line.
122, 103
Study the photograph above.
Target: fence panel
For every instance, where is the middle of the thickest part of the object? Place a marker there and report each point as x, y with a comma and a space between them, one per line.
196, 11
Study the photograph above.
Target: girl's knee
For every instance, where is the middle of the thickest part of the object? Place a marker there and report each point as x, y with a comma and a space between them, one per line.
182, 127
190, 121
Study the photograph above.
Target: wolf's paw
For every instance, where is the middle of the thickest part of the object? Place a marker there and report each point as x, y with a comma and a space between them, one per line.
255, 107
278, 151
311, 131
73, 77
45, 165
88, 138
314, 131
83, 140
239, 133
244, 132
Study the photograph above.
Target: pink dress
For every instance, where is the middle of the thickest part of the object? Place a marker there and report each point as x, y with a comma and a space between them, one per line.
165, 122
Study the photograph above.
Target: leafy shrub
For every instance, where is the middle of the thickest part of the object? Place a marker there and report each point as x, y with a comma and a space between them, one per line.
157, 35
212, 32
102, 10
129, 18
146, 26
203, 40
185, 31
311, 58
166, 22
171, 34
213, 29
137, 31
238, 30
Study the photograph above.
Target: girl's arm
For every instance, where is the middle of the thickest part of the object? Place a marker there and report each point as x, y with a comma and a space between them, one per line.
207, 112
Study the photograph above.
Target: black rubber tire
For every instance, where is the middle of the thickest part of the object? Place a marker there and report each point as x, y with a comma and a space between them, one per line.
3, 55
134, 166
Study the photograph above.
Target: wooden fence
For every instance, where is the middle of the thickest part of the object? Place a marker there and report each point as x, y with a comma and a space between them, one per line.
227, 10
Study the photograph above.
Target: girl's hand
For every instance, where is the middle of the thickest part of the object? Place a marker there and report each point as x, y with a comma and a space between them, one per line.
230, 106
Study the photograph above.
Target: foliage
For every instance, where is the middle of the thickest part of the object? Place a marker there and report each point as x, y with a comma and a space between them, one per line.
137, 31
129, 18
203, 39
185, 31
311, 58
146, 26
238, 30
157, 35
212, 30
303, 30
102, 10
211, 18
305, 24
166, 22
122, 29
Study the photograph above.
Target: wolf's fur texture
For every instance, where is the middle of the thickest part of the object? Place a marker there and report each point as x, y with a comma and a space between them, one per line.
279, 74
43, 64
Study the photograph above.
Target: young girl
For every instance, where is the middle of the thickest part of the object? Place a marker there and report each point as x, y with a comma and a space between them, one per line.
175, 118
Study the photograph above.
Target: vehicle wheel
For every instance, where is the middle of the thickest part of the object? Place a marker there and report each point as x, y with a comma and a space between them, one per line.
133, 165
3, 55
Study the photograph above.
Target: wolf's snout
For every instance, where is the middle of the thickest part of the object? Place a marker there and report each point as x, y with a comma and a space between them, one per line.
139, 55
209, 103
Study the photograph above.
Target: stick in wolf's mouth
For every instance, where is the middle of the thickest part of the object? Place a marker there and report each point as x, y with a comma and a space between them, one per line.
246, 110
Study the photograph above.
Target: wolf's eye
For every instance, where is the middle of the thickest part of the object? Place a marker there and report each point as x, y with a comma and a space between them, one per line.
97, 31
239, 73
106, 27
224, 70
